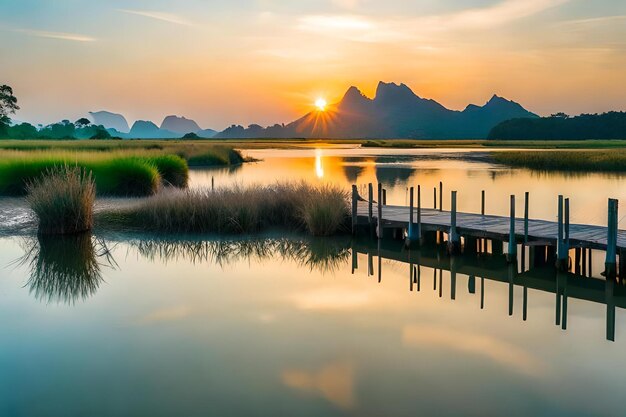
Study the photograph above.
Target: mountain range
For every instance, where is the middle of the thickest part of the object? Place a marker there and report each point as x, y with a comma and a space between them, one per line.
395, 112
172, 127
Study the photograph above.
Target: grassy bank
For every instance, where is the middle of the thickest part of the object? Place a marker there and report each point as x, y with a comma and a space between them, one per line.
320, 210
598, 160
114, 173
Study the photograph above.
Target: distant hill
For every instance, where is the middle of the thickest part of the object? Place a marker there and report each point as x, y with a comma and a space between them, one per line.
395, 112
143, 129
110, 120
180, 125
610, 125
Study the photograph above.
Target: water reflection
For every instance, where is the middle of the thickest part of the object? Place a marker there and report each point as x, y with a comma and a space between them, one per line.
65, 269
320, 254
540, 277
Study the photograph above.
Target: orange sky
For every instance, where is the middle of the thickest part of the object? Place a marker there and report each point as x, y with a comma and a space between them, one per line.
267, 61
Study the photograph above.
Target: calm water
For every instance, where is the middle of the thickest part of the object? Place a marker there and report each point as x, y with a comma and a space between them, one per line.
113, 325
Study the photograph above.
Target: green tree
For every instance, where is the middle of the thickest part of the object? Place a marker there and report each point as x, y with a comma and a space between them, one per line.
82, 122
8, 103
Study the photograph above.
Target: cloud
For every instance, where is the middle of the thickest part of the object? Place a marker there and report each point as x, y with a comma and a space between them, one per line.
376, 29
165, 17
56, 35
595, 20
499, 351
334, 382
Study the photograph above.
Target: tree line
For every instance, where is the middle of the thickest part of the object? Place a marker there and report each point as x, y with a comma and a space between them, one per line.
80, 129
611, 125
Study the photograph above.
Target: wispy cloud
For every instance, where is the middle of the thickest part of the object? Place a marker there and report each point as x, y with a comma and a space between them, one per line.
595, 20
371, 29
75, 37
165, 17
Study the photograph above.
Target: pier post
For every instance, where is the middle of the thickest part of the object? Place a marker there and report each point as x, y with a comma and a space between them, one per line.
454, 241
419, 213
435, 198
622, 264
440, 195
561, 245
355, 202
609, 288
410, 238
379, 226
384, 197
512, 252
370, 206
482, 202
611, 249
482, 242
526, 198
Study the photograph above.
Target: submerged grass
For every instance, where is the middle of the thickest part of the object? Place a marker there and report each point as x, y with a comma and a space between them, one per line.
321, 210
598, 160
63, 201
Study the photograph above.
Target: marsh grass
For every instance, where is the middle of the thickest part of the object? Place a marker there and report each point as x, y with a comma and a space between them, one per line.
320, 210
593, 160
63, 201
115, 173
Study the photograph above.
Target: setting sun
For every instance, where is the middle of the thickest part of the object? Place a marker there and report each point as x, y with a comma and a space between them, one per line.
321, 104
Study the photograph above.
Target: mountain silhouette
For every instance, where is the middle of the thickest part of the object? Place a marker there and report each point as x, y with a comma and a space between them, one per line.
143, 129
395, 112
180, 125
110, 120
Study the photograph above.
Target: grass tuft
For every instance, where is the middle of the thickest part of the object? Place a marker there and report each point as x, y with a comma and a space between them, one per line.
592, 160
63, 201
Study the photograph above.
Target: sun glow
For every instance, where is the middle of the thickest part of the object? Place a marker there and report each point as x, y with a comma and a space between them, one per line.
321, 104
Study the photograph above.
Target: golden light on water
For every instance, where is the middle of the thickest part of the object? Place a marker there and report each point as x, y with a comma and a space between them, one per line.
319, 168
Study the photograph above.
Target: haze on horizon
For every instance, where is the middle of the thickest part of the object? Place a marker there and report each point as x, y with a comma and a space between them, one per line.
268, 61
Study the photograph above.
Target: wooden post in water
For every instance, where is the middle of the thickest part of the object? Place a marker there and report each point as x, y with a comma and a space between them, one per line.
435, 198
454, 241
212, 183
440, 195
419, 213
410, 229
370, 206
526, 198
482, 202
512, 252
355, 201
567, 224
482, 242
379, 226
384, 197
611, 250
562, 249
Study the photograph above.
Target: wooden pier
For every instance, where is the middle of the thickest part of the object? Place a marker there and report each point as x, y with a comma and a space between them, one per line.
414, 222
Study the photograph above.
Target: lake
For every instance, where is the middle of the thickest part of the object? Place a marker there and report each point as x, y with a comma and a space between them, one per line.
131, 324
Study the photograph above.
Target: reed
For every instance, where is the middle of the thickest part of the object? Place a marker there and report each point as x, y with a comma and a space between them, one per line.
320, 210
63, 201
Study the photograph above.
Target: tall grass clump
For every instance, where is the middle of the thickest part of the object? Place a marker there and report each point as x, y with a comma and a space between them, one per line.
324, 210
321, 210
216, 156
63, 201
